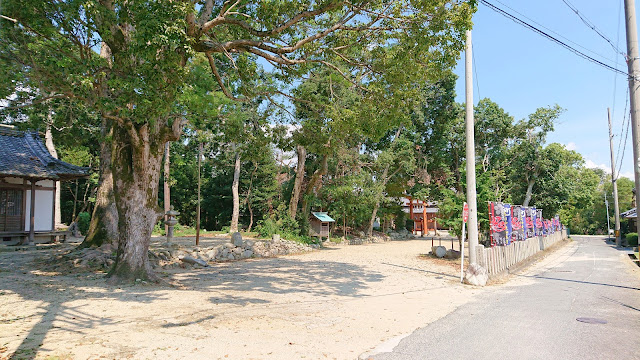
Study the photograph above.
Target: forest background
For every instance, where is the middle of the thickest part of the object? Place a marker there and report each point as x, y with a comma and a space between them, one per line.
349, 169
337, 106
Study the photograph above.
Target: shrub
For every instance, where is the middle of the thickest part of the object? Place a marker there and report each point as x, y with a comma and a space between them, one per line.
158, 229
632, 239
285, 226
84, 219
409, 224
266, 228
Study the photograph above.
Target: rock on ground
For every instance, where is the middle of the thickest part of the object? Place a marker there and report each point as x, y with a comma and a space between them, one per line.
476, 275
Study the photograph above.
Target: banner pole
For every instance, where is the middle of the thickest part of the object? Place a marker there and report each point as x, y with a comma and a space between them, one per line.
462, 252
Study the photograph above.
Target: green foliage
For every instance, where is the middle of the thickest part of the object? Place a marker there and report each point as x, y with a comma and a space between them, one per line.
450, 211
632, 239
350, 199
84, 219
158, 229
165, 61
282, 224
267, 227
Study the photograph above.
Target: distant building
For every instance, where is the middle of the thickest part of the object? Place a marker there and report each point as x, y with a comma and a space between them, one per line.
632, 216
424, 214
26, 168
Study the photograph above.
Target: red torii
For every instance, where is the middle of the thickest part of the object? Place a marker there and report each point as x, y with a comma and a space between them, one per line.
420, 223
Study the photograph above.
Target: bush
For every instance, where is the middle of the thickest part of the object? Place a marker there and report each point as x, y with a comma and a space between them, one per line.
285, 226
84, 219
266, 228
409, 224
158, 229
632, 239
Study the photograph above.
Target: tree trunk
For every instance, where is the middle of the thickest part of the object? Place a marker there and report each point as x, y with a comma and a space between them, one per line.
137, 165
373, 217
103, 228
344, 226
249, 194
52, 150
314, 182
250, 216
234, 191
297, 185
167, 189
374, 213
75, 201
527, 197
383, 185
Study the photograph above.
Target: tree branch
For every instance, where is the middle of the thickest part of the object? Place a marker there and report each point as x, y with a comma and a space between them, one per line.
220, 19
224, 89
38, 101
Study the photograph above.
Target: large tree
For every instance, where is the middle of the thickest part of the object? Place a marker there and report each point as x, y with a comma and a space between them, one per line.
385, 47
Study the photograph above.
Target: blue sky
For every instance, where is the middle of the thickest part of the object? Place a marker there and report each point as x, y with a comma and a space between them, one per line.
521, 71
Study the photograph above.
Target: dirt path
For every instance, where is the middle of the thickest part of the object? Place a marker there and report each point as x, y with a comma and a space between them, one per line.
335, 303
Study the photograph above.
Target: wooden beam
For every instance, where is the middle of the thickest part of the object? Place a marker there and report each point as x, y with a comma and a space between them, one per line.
32, 219
413, 231
425, 226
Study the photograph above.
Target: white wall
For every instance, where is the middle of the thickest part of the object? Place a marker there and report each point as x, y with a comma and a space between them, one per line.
46, 183
44, 208
13, 180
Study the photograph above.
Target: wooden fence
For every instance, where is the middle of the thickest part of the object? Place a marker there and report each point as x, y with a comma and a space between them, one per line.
498, 259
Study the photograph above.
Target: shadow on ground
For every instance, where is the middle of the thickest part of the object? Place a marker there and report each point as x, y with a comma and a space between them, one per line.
56, 292
281, 276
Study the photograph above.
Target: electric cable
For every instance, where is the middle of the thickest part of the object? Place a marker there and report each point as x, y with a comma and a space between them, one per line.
552, 31
590, 25
625, 136
557, 41
475, 70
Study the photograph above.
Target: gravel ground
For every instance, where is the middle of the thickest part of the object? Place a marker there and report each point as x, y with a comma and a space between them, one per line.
334, 303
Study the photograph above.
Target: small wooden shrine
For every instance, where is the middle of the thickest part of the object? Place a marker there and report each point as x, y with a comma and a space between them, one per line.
423, 215
320, 224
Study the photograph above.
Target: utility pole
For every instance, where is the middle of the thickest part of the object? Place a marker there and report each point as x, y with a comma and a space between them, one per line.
634, 93
614, 182
471, 153
198, 205
606, 204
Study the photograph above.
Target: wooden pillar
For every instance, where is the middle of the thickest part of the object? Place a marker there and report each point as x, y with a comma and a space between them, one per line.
32, 215
425, 228
413, 231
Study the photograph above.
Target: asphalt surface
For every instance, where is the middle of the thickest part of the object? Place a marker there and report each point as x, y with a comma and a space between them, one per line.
534, 315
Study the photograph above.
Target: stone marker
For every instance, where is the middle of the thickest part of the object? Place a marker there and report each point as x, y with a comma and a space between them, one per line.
236, 239
476, 275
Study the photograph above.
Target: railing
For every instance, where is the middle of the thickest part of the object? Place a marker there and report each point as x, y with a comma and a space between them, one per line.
498, 259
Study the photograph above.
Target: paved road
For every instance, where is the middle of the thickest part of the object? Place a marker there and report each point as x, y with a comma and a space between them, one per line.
534, 315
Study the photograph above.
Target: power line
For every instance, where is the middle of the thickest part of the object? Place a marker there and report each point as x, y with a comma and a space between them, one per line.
628, 119
475, 70
615, 85
591, 26
623, 121
623, 149
557, 41
552, 31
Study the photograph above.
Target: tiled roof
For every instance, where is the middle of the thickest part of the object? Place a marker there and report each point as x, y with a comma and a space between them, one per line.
629, 214
22, 154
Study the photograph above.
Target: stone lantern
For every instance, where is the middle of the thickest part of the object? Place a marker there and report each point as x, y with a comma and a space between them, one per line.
171, 222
